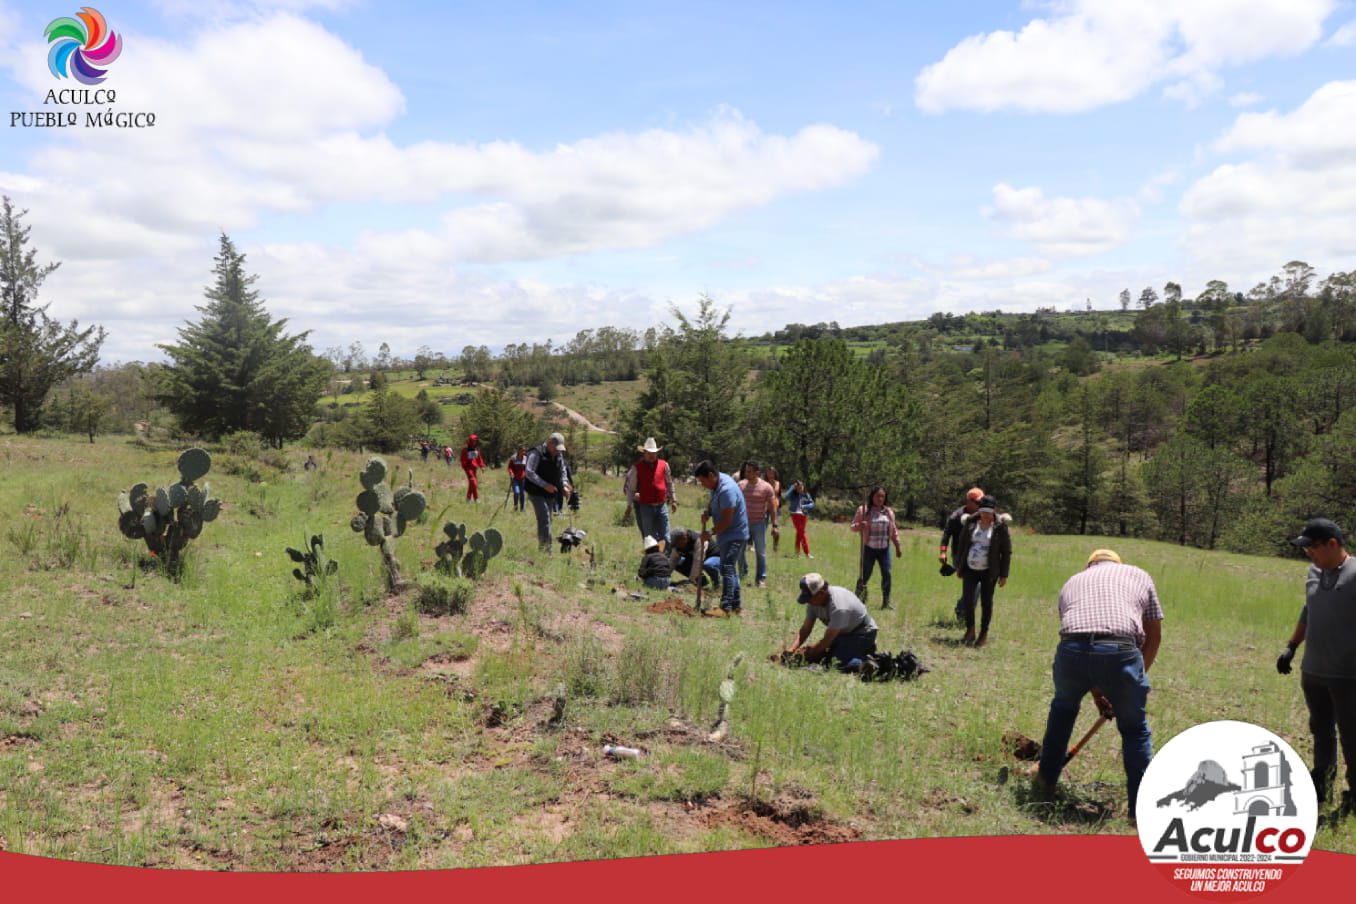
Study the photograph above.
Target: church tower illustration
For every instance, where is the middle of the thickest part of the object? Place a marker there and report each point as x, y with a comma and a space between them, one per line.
1266, 783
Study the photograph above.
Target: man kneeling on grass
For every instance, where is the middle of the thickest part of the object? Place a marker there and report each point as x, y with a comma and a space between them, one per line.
849, 630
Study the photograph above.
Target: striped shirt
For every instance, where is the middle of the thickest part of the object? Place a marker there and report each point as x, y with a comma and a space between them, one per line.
880, 526
1109, 598
759, 499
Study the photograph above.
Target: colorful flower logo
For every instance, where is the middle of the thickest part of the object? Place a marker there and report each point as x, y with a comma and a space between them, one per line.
80, 45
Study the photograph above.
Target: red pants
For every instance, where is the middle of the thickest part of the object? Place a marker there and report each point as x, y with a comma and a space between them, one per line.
802, 542
472, 488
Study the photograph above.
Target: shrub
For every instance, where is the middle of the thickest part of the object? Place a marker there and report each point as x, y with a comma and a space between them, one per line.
438, 595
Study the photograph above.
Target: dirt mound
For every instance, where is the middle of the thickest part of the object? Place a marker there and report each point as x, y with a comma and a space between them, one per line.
1022, 747
783, 822
671, 606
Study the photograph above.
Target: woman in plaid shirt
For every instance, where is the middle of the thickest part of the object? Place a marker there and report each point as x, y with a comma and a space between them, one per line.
875, 522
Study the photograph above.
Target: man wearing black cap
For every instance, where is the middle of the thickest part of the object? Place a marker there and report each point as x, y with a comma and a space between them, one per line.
849, 630
1328, 670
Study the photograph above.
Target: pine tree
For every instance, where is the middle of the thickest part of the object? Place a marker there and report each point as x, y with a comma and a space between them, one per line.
36, 352
236, 369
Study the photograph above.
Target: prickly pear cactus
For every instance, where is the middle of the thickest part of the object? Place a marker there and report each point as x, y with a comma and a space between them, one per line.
467, 556
383, 514
168, 518
317, 565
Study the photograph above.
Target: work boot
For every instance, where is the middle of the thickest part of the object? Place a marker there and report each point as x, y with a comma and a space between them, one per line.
861, 592
982, 639
885, 603
969, 638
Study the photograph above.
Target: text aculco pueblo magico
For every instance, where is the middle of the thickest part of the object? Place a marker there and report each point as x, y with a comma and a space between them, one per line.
93, 119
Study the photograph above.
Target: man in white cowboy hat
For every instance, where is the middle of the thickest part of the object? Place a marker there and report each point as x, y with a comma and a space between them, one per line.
649, 487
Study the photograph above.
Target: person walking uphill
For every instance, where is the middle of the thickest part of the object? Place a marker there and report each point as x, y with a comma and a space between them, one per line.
548, 476
649, 487
517, 469
1328, 669
1110, 627
760, 504
875, 522
983, 557
472, 461
949, 533
800, 503
730, 527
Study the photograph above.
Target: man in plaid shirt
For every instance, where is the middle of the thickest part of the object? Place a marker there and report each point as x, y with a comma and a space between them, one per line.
1110, 627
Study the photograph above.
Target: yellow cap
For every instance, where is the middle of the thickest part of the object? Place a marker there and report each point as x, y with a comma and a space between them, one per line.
1103, 555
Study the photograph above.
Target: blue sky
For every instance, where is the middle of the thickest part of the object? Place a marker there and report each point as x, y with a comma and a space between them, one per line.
453, 174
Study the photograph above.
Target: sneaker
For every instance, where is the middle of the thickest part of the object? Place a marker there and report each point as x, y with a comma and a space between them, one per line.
969, 639
982, 639
761, 585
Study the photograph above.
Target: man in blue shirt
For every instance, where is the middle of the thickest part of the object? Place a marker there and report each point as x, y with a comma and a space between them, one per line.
730, 530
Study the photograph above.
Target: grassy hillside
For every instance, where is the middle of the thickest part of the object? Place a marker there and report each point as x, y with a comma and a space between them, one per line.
226, 722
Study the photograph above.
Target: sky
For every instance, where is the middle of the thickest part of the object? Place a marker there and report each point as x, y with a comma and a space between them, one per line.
452, 174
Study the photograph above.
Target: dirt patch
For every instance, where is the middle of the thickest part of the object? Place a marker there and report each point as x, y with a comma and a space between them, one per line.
1022, 747
164, 808
781, 821
17, 740
671, 606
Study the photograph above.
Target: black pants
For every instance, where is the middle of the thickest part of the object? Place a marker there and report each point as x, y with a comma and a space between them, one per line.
1332, 713
983, 582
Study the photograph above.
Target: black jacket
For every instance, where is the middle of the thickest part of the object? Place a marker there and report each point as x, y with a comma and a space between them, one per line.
1000, 548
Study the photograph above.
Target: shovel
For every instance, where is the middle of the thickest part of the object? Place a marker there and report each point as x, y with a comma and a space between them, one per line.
1082, 742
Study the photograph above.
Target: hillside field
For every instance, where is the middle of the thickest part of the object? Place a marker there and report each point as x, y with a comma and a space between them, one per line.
228, 722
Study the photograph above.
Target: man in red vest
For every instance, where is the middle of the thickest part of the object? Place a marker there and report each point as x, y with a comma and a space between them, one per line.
649, 487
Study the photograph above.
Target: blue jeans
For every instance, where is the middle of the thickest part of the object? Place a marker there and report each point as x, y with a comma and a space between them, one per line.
657, 583
730, 552
711, 566
870, 556
518, 502
541, 506
1117, 670
758, 537
847, 647
653, 521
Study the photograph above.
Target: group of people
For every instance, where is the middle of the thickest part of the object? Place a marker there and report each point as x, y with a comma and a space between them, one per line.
1110, 616
744, 508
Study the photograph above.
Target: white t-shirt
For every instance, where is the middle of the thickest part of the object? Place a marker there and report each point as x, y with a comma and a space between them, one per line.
980, 540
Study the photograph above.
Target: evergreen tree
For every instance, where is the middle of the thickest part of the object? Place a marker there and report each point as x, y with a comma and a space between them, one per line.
693, 394
236, 369
36, 352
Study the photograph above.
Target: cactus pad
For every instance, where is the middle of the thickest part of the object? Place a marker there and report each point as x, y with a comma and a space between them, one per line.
373, 474
494, 542
368, 502
211, 509
177, 495
194, 465
411, 505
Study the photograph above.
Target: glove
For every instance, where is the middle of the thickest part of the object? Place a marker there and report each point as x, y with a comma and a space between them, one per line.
1283, 660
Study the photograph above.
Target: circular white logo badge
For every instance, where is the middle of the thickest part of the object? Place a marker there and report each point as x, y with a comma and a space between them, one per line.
1226, 810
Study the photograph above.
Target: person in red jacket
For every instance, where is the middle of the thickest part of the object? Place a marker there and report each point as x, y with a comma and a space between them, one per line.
472, 461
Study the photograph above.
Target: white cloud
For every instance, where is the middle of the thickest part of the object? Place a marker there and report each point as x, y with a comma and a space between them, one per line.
1292, 195
1062, 227
1090, 53
1245, 99
277, 115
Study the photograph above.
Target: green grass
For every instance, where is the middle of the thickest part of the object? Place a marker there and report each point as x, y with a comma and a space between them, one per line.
228, 722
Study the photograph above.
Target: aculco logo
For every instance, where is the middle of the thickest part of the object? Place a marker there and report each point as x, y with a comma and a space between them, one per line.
1225, 809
